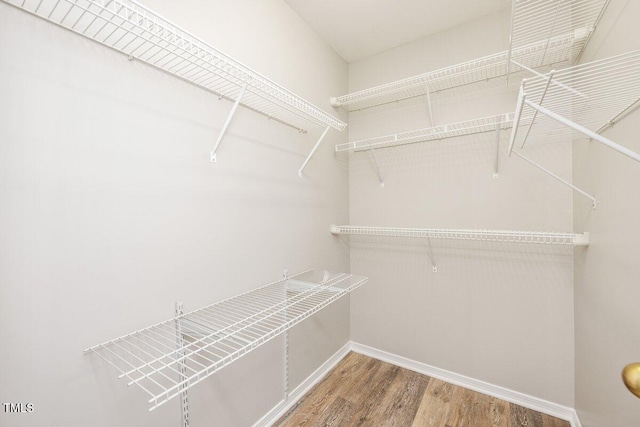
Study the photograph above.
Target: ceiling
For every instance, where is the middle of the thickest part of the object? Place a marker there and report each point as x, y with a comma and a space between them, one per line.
357, 29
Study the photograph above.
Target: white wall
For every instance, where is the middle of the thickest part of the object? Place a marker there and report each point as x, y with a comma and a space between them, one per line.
606, 276
501, 313
111, 211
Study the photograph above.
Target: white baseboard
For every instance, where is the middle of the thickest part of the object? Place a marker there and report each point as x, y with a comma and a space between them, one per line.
534, 403
284, 406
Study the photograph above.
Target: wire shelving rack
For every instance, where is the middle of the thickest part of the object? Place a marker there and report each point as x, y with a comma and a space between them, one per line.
166, 359
535, 21
580, 101
452, 130
131, 28
538, 54
537, 237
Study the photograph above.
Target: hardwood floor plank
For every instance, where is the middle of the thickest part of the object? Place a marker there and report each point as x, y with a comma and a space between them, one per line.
435, 404
371, 394
463, 405
499, 412
400, 404
339, 414
361, 391
523, 417
348, 372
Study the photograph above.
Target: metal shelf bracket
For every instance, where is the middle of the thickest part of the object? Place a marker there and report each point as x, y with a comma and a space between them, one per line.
375, 163
434, 267
226, 123
432, 122
313, 150
594, 202
496, 170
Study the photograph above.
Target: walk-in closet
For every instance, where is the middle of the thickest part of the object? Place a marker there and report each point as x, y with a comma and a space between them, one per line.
287, 213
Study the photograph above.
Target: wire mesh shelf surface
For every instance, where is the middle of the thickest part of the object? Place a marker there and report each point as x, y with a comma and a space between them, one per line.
591, 95
219, 334
557, 50
539, 237
452, 130
131, 28
536, 20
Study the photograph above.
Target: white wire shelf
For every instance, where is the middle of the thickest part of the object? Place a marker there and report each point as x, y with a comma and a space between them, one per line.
557, 50
536, 20
537, 237
131, 28
580, 101
216, 335
452, 130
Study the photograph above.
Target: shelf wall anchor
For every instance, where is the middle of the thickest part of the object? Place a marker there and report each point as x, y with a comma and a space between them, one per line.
313, 150
227, 122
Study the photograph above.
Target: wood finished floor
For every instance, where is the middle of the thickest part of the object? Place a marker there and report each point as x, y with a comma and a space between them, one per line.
361, 391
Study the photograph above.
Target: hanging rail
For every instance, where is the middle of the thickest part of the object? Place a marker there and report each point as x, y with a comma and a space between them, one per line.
141, 34
588, 99
538, 237
535, 55
541, 21
216, 335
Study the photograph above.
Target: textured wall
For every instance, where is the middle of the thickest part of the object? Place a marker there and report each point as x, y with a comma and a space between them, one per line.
111, 211
501, 313
606, 276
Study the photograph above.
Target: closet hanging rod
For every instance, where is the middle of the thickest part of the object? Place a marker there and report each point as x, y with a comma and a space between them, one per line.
451, 130
131, 28
558, 50
536, 237
219, 334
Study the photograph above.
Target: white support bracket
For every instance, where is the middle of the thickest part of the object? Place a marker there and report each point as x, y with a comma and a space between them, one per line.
184, 398
432, 123
594, 202
434, 267
553, 26
535, 114
375, 163
313, 150
522, 96
226, 123
497, 163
